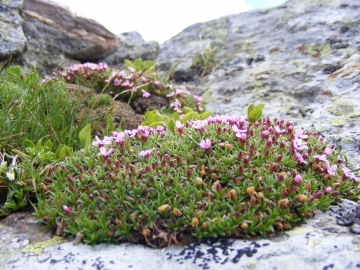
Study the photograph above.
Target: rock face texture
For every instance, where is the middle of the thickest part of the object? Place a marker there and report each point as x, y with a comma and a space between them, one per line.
55, 36
44, 35
133, 46
13, 40
301, 59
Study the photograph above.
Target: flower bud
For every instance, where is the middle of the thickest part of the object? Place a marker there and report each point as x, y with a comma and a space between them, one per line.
112, 176
235, 180
244, 226
297, 179
232, 194
178, 160
194, 222
250, 190
246, 161
240, 170
199, 181
177, 212
327, 190
302, 198
282, 144
269, 143
164, 208
67, 210
71, 179
281, 176
283, 203
46, 218
189, 173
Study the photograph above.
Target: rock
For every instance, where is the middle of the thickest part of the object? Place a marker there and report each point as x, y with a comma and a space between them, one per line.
12, 39
133, 46
44, 35
76, 37
299, 59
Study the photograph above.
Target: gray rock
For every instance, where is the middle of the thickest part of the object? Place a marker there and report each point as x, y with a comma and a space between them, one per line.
43, 35
132, 46
12, 39
301, 60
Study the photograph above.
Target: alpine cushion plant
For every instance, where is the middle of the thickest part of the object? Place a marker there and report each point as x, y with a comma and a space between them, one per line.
138, 79
223, 176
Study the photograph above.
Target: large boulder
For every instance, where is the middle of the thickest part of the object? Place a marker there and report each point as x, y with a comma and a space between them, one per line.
12, 38
133, 46
44, 35
300, 59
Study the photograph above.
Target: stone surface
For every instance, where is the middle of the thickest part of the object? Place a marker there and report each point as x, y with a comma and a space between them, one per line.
133, 46
58, 38
319, 244
12, 38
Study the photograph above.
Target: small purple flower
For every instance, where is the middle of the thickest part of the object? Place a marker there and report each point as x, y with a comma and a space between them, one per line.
327, 151
278, 131
179, 127
299, 158
205, 144
145, 94
299, 134
117, 82
327, 190
348, 173
105, 153
145, 153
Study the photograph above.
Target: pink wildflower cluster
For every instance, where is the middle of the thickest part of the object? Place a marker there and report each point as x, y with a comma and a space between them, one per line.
85, 71
179, 99
271, 132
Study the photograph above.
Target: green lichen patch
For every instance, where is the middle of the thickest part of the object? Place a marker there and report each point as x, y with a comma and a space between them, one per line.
341, 107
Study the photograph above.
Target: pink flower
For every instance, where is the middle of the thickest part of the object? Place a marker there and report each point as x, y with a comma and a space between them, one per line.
98, 142
105, 153
327, 151
117, 82
176, 105
179, 127
348, 173
278, 131
300, 158
145, 94
297, 179
205, 144
299, 145
145, 153
299, 134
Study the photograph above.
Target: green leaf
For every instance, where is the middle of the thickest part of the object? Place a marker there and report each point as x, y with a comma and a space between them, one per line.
49, 145
85, 136
62, 151
27, 144
255, 112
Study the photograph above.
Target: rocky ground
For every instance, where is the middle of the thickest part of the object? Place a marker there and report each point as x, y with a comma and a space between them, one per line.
302, 60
